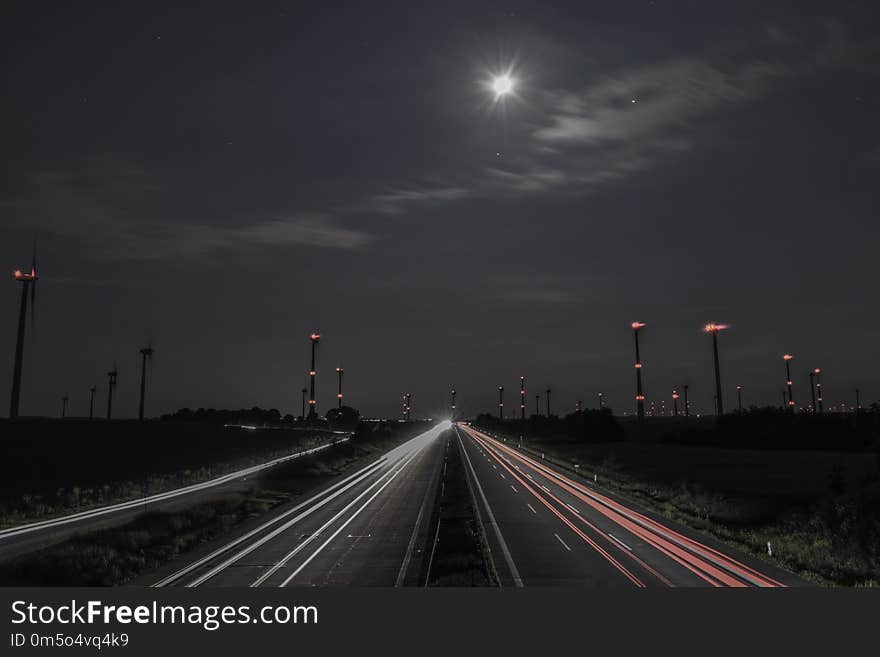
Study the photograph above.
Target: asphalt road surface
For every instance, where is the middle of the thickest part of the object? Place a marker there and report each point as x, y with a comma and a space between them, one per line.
543, 527
370, 528
547, 528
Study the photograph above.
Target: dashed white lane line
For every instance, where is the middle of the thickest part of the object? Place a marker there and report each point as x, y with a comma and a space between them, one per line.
502, 475
530, 476
513, 488
545, 488
531, 508
573, 509
563, 542
617, 540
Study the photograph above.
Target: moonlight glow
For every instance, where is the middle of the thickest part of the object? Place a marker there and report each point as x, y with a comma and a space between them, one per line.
502, 85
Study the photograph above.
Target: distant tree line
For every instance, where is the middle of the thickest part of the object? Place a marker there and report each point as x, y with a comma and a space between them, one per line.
586, 426
341, 418
755, 428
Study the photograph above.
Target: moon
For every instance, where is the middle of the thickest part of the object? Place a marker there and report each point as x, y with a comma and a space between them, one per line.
502, 85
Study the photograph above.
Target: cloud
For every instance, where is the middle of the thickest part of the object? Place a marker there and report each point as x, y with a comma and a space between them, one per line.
393, 201
123, 213
307, 230
641, 103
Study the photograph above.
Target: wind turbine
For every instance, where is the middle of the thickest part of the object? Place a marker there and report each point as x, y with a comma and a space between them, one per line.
111, 386
28, 281
146, 354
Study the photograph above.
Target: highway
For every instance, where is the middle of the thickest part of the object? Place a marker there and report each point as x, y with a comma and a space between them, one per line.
553, 529
370, 528
542, 525
543, 528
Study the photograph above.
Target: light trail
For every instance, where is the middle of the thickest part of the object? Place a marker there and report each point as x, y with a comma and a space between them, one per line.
158, 497
614, 562
313, 503
689, 552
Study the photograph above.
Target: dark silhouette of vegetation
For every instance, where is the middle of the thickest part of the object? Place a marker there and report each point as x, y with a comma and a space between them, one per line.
581, 426
251, 416
755, 428
343, 417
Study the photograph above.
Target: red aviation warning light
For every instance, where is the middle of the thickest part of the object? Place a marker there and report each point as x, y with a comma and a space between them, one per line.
711, 327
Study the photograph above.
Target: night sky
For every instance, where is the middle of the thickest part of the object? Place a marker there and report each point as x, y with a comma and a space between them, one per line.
223, 181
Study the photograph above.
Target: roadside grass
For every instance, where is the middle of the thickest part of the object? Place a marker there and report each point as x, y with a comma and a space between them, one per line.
115, 556
820, 511
459, 555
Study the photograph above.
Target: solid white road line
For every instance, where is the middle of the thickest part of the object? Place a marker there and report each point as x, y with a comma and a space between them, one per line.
158, 497
343, 525
401, 575
514, 573
278, 564
564, 544
390, 457
268, 537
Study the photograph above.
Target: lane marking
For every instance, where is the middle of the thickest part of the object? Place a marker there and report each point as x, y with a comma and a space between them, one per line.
614, 538
614, 562
513, 487
501, 474
531, 508
389, 459
401, 575
517, 580
712, 565
547, 490
279, 564
572, 508
343, 487
563, 542
345, 524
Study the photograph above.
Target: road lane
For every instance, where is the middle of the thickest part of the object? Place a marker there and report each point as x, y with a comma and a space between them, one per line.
368, 529
636, 546
533, 535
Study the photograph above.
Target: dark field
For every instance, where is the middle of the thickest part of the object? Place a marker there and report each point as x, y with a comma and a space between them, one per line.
51, 467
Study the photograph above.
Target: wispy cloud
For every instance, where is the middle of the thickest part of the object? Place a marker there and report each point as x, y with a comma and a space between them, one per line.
642, 103
123, 213
307, 230
393, 202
